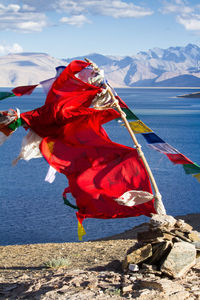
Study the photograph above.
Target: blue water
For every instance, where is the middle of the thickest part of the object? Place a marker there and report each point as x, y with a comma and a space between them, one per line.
32, 210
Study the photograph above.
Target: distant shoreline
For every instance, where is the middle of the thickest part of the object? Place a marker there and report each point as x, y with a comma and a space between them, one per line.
193, 95
160, 87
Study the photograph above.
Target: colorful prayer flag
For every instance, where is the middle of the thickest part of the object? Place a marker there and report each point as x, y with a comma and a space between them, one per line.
4, 95
179, 158
47, 84
152, 138
24, 90
192, 168
129, 114
139, 127
164, 148
197, 176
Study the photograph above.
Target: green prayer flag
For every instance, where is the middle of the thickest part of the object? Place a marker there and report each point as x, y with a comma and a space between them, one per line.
4, 95
191, 168
129, 114
14, 125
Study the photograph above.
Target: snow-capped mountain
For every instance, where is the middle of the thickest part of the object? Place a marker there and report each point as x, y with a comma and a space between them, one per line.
27, 68
175, 66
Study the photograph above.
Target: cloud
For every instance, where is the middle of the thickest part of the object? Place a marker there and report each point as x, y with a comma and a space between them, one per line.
75, 20
5, 49
113, 8
31, 15
17, 18
176, 6
186, 14
190, 23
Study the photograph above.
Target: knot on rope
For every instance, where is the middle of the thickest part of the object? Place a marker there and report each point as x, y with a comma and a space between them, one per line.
158, 204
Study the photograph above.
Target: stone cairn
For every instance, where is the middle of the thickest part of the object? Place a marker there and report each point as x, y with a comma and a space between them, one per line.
169, 247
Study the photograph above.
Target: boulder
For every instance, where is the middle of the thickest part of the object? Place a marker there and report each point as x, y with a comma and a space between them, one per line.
180, 259
137, 256
184, 227
194, 236
159, 252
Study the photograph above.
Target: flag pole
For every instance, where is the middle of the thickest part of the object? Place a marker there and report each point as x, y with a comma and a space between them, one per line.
159, 207
158, 204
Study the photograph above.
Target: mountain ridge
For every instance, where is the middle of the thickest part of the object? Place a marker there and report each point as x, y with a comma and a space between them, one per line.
171, 67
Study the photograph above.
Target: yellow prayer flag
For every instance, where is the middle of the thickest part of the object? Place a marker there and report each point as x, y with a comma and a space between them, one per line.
81, 231
139, 127
197, 176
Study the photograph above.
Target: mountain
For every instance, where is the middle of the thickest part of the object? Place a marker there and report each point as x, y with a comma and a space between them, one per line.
27, 68
175, 66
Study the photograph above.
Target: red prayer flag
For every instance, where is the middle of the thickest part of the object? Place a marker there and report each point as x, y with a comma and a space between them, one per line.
68, 84
24, 90
179, 159
98, 170
74, 142
67, 92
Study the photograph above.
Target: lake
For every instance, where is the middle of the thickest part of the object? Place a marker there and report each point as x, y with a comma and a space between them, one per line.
32, 210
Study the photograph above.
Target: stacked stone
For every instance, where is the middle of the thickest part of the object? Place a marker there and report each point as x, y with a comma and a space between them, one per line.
169, 246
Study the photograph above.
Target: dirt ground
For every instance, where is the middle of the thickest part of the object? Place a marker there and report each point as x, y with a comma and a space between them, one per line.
20, 259
19, 262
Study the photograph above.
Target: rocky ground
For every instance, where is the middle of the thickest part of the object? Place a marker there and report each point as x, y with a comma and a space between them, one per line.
93, 271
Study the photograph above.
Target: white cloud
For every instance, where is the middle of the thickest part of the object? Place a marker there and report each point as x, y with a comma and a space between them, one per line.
26, 7
176, 6
186, 14
5, 49
113, 8
11, 8
31, 15
190, 23
75, 20
14, 17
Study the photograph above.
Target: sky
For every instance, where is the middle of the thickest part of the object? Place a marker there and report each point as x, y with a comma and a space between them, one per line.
70, 28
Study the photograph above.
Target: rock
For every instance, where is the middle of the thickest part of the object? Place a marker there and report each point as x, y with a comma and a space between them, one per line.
93, 284
133, 267
128, 288
181, 236
162, 221
180, 259
160, 251
184, 227
197, 245
133, 278
149, 268
194, 236
137, 256
184, 295
163, 285
157, 235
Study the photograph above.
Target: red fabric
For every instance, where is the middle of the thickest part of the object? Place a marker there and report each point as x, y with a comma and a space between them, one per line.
97, 169
24, 90
179, 159
47, 120
75, 143
66, 93
68, 83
